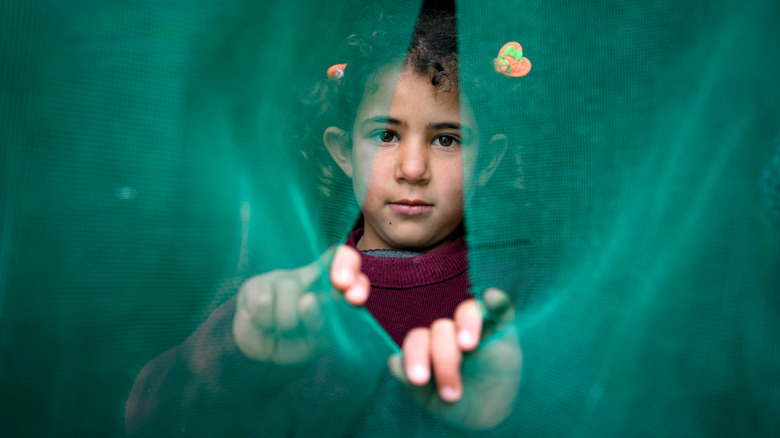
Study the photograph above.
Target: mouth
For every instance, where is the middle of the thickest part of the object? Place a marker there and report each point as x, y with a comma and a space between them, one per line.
410, 207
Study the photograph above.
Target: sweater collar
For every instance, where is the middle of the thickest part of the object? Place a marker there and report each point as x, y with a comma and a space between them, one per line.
396, 273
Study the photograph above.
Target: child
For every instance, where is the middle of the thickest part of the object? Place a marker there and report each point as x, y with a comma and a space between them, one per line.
395, 127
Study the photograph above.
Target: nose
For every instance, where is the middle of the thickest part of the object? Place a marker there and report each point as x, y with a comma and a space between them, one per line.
413, 164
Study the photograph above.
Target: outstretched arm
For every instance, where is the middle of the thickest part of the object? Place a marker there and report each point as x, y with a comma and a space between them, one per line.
252, 378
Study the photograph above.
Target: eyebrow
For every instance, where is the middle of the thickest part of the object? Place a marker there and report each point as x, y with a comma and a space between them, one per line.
384, 120
435, 126
446, 125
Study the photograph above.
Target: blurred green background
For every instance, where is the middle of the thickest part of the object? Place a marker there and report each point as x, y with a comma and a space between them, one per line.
135, 138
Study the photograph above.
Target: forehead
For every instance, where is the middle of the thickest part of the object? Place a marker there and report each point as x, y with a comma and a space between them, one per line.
399, 91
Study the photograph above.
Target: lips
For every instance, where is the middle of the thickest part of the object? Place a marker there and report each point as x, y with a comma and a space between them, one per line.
411, 207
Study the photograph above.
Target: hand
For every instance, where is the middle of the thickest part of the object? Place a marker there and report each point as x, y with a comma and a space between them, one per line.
279, 318
471, 387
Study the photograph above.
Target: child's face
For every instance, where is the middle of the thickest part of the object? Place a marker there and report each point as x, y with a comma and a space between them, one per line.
408, 163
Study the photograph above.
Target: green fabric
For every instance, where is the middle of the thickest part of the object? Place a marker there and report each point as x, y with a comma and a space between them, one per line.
150, 163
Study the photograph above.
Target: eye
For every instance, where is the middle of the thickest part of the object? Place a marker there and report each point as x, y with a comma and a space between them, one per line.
446, 141
386, 136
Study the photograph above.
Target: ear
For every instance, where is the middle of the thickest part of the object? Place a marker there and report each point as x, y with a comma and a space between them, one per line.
498, 144
337, 142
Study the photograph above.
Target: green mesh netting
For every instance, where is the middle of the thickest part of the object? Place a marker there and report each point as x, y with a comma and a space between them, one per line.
155, 155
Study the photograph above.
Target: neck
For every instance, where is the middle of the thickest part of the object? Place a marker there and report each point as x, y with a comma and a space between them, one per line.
369, 242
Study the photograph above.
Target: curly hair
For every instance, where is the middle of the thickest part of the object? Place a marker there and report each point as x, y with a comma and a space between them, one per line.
432, 52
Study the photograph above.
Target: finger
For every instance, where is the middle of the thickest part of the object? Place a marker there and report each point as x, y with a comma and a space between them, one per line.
395, 363
446, 358
292, 351
345, 269
416, 350
313, 271
287, 291
357, 293
468, 323
252, 342
310, 311
498, 306
256, 297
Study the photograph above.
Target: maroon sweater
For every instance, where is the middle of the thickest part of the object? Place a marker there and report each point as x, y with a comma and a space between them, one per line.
415, 291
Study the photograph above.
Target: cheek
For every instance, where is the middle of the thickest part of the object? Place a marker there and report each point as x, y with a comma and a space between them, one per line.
367, 176
453, 185
469, 164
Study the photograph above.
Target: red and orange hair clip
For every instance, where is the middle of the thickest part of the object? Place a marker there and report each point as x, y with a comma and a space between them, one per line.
510, 61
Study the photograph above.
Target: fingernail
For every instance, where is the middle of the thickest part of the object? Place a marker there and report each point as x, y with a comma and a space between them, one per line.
465, 339
419, 374
344, 276
357, 293
449, 394
307, 301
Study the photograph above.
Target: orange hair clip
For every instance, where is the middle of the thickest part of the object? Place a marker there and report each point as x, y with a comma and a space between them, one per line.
336, 71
